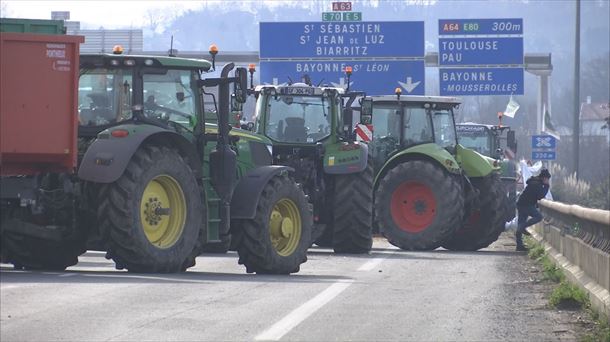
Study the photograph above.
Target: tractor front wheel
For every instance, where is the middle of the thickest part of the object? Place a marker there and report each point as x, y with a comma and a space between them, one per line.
418, 205
277, 239
353, 212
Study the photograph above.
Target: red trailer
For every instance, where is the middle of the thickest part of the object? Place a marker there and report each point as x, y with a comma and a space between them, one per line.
38, 103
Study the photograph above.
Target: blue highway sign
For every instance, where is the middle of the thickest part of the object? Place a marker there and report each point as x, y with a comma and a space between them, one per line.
512, 26
374, 77
543, 142
544, 155
480, 51
481, 81
336, 40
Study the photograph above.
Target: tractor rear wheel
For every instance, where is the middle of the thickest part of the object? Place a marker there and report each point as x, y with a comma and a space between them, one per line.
353, 212
484, 225
151, 217
418, 205
277, 239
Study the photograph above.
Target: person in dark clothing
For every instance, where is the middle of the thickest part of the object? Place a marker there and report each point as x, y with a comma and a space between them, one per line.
535, 190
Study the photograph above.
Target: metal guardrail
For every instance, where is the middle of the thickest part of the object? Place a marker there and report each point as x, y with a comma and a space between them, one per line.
592, 226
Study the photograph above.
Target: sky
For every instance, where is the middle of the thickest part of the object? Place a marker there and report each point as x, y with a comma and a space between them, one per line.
93, 14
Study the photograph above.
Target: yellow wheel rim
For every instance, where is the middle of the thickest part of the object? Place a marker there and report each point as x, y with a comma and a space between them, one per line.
163, 211
285, 227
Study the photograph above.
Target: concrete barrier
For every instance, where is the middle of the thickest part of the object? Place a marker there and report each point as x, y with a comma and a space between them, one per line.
578, 240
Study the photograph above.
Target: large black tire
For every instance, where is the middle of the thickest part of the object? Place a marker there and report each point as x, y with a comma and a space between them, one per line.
483, 226
353, 211
262, 245
326, 238
30, 253
418, 205
510, 205
151, 218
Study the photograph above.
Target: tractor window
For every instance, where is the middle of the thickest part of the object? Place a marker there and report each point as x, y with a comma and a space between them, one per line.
477, 140
104, 96
417, 126
169, 96
298, 119
444, 128
386, 123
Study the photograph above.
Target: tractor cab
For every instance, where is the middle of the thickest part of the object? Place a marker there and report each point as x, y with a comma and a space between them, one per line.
490, 140
298, 113
400, 122
116, 88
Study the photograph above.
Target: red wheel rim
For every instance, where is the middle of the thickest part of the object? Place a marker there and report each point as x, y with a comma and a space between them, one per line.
413, 206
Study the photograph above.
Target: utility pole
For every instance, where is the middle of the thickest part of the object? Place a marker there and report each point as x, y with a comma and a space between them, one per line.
576, 126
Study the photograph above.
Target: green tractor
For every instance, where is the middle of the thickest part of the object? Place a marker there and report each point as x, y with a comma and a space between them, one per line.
429, 190
154, 182
498, 142
310, 128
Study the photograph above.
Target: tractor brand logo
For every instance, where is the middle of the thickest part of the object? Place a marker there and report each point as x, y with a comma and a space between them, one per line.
364, 132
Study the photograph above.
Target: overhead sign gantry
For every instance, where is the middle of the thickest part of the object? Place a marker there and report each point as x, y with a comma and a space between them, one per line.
383, 55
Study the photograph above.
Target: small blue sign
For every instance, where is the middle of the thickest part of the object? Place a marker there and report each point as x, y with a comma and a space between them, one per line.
544, 155
480, 51
543, 142
373, 77
336, 40
472, 27
481, 81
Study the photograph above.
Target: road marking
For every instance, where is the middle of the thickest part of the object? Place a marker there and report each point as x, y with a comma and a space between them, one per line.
369, 265
298, 315
67, 275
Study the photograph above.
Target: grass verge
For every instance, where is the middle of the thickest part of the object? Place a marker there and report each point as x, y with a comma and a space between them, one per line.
566, 296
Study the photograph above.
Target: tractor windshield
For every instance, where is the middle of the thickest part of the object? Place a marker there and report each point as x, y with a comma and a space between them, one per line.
104, 96
298, 119
169, 96
444, 127
475, 138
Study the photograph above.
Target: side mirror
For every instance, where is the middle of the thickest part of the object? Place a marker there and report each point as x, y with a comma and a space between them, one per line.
180, 96
366, 111
240, 87
511, 141
366, 106
348, 117
236, 105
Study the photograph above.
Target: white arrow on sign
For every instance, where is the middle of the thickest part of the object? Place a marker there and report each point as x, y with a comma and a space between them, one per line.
341, 83
409, 86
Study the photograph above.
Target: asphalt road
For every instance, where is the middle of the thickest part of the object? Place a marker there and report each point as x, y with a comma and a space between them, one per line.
389, 295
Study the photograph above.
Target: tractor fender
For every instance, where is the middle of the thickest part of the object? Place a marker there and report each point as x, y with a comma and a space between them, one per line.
249, 189
344, 158
431, 152
476, 164
108, 156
